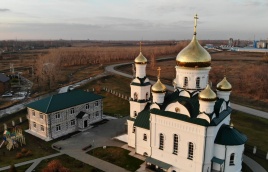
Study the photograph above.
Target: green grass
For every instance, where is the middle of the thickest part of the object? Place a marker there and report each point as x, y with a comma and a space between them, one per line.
117, 156
70, 163
255, 128
246, 168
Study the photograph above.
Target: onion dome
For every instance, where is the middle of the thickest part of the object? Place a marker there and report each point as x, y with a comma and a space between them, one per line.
207, 94
194, 55
158, 87
224, 85
140, 59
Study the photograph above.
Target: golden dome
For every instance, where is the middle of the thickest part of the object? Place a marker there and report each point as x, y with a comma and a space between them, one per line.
207, 94
194, 55
224, 85
140, 59
158, 87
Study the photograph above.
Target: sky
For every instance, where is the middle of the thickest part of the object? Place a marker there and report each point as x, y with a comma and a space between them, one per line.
133, 19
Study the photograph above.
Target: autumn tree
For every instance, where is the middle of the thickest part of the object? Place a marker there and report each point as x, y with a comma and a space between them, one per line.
55, 166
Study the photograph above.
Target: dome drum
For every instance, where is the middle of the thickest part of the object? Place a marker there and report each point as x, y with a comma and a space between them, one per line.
193, 64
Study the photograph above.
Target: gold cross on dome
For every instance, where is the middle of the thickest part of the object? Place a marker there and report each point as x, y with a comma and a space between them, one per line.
140, 46
195, 23
158, 69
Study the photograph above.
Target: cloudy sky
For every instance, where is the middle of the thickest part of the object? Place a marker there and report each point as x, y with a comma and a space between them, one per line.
133, 19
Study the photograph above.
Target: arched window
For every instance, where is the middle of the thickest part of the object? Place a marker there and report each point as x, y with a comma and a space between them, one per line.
135, 113
185, 82
147, 97
232, 159
198, 82
134, 129
177, 110
135, 96
190, 150
161, 141
144, 137
175, 144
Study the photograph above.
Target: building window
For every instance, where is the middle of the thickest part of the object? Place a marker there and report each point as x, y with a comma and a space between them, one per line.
147, 96
97, 114
190, 151
175, 144
198, 82
144, 137
72, 122
42, 128
34, 124
58, 128
57, 115
161, 141
87, 106
41, 116
134, 129
135, 113
135, 96
33, 112
185, 82
72, 110
96, 103
232, 159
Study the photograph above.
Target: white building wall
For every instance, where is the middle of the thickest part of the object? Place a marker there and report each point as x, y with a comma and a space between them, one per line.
131, 134
140, 70
224, 94
141, 91
142, 145
158, 97
35, 118
136, 106
206, 106
186, 132
192, 74
181, 109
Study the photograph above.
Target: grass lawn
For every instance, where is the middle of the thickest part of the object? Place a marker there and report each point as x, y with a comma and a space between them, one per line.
70, 163
22, 168
246, 168
117, 156
112, 105
255, 128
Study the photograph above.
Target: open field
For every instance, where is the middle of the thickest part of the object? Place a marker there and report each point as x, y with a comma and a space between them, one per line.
70, 163
117, 156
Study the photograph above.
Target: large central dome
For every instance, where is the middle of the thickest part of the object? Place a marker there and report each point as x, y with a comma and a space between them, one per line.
194, 55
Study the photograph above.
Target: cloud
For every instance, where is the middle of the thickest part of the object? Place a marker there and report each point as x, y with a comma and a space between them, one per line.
4, 10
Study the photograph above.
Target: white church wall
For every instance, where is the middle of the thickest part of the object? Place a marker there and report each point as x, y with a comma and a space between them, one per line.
141, 92
173, 107
192, 74
186, 132
224, 94
142, 143
135, 108
206, 106
140, 70
131, 134
158, 97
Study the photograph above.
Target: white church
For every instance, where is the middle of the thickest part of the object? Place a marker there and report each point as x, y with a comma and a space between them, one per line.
189, 129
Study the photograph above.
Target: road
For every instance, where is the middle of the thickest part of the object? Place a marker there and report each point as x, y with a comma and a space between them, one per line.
245, 109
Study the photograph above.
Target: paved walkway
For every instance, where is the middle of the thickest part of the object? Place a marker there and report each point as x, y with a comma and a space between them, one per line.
253, 165
34, 162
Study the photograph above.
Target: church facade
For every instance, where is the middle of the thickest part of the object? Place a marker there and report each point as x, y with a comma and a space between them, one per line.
189, 129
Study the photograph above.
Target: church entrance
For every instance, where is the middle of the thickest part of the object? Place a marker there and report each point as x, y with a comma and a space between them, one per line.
85, 124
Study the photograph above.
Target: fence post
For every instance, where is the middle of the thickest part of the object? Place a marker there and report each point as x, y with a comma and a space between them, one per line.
254, 150
267, 155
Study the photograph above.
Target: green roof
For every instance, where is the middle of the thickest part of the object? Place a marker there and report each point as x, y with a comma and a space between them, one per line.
221, 117
179, 116
230, 136
62, 101
142, 120
217, 160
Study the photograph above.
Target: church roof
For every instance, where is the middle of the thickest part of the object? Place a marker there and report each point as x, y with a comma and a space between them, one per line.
142, 120
62, 101
230, 136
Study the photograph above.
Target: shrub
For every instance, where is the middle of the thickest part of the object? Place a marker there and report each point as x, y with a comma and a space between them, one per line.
29, 153
24, 150
19, 155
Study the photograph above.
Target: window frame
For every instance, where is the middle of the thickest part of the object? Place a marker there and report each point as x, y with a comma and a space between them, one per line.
34, 124
186, 82
72, 122
42, 128
33, 112
145, 137
87, 106
58, 127
190, 151
175, 144
57, 115
161, 141
232, 159
41, 115
197, 82
72, 110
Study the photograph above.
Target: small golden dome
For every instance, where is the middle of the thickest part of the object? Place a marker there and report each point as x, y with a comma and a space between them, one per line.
224, 85
158, 87
194, 55
207, 94
140, 59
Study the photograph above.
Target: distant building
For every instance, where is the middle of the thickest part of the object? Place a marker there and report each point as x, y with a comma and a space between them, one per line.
189, 129
4, 83
60, 114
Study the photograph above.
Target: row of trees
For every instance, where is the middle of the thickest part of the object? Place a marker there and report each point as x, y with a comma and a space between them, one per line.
48, 66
